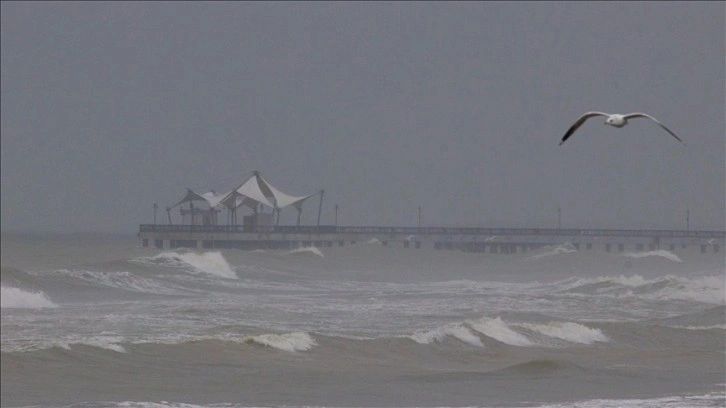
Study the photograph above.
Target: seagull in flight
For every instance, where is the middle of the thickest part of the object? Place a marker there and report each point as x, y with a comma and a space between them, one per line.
616, 120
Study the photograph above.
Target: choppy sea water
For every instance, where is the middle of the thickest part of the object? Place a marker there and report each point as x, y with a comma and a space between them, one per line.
103, 323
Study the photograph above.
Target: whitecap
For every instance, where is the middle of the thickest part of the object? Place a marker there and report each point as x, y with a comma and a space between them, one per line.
212, 263
568, 331
499, 330
297, 341
20, 299
662, 253
561, 249
307, 251
456, 330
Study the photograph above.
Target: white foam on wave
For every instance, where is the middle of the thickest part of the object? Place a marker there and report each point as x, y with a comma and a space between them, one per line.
297, 341
212, 263
713, 327
15, 298
456, 330
103, 342
705, 289
632, 281
561, 249
499, 330
716, 399
120, 280
661, 253
685, 401
307, 251
568, 331
622, 280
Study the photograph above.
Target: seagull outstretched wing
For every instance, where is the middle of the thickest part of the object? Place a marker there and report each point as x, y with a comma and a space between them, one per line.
643, 115
579, 123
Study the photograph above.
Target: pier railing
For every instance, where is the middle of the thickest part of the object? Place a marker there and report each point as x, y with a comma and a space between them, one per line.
331, 229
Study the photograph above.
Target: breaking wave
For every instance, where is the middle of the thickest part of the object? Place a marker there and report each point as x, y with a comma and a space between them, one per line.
307, 251
456, 330
298, 341
212, 263
507, 333
705, 289
121, 280
100, 341
501, 331
561, 249
661, 253
20, 299
568, 331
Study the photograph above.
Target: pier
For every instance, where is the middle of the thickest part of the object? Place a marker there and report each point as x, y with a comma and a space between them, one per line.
482, 240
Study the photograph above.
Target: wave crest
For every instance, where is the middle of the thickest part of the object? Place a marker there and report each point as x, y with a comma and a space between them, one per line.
499, 330
307, 251
20, 299
705, 289
456, 330
298, 341
212, 263
661, 253
568, 331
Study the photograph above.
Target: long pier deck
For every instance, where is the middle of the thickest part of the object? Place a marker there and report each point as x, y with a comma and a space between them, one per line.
487, 240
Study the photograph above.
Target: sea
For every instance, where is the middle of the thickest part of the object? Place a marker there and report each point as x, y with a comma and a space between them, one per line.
94, 321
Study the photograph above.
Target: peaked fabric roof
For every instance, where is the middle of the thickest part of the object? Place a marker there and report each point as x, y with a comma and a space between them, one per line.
251, 189
256, 190
234, 199
282, 200
189, 196
212, 198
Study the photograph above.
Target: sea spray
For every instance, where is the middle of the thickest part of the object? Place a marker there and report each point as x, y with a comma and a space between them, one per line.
21, 299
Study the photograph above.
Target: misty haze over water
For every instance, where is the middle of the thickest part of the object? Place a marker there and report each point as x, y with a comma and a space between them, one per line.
108, 108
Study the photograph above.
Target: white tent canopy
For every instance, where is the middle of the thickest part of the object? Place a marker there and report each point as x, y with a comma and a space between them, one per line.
212, 198
259, 190
251, 189
234, 200
256, 190
282, 200
190, 196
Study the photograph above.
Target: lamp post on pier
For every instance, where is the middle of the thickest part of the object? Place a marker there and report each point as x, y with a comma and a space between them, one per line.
336, 215
155, 207
320, 207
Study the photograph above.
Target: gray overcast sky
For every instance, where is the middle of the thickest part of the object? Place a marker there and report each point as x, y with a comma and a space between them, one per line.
455, 107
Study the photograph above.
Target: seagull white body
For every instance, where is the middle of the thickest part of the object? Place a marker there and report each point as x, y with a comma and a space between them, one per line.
616, 120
